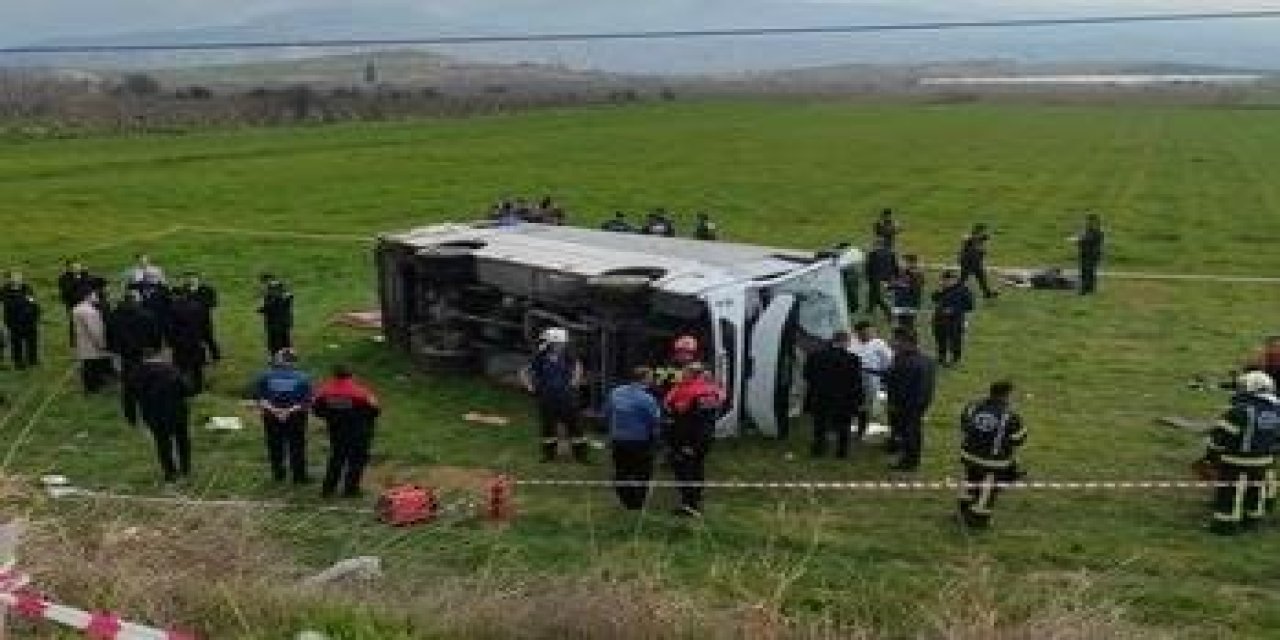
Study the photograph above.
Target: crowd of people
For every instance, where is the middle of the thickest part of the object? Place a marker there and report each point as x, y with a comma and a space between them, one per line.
658, 222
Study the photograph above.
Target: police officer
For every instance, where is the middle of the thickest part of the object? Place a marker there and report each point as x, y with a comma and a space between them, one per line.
554, 377
694, 403
193, 287
635, 422
991, 433
909, 384
185, 331
618, 224
973, 259
277, 315
1089, 243
952, 303
835, 395
22, 319
284, 397
908, 292
881, 268
132, 333
886, 229
163, 394
1242, 447
706, 228
350, 409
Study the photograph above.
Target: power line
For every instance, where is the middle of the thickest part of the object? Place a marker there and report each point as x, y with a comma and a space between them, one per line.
645, 35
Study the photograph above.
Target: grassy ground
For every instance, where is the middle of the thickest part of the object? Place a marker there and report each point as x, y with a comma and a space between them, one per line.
1182, 191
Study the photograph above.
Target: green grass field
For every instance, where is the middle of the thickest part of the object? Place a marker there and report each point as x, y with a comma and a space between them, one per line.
1181, 190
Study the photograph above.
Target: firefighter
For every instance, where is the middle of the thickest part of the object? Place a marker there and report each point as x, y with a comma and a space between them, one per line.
284, 397
952, 303
277, 315
635, 423
991, 433
684, 350
1242, 447
973, 259
694, 403
554, 377
22, 319
164, 395
193, 287
350, 410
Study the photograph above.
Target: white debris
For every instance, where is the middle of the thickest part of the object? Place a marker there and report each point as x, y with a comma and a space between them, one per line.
362, 568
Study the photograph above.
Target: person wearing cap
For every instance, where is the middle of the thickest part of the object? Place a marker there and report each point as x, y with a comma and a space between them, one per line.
635, 424
694, 404
163, 395
1242, 449
1089, 242
834, 394
21, 313
886, 229
909, 384
875, 355
952, 304
555, 376
194, 288
973, 259
350, 410
283, 394
277, 314
991, 433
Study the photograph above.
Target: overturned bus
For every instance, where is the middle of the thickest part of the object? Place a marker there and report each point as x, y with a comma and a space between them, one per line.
477, 296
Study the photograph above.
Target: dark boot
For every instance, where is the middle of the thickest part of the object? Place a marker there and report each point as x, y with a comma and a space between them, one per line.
549, 451
581, 451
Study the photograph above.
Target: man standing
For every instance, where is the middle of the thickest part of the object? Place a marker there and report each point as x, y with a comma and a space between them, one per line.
908, 292
351, 411
132, 333
284, 396
554, 377
1242, 447
910, 384
882, 267
694, 404
163, 394
194, 288
834, 382
277, 315
952, 304
144, 274
991, 433
875, 356
185, 332
73, 285
635, 421
706, 228
973, 259
886, 229
22, 319
91, 344
1090, 244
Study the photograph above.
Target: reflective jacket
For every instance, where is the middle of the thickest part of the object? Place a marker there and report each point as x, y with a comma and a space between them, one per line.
991, 434
1249, 432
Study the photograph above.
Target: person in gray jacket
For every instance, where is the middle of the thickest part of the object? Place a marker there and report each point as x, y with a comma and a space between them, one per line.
91, 344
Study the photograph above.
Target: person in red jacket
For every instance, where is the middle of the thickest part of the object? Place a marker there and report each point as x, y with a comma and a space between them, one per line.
694, 404
350, 410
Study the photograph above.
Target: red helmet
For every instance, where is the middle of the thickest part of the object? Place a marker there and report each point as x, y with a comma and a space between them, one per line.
685, 344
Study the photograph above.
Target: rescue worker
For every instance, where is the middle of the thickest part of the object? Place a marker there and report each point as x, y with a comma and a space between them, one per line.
684, 349
284, 397
881, 268
554, 376
73, 285
22, 320
706, 229
132, 333
618, 224
694, 403
875, 356
91, 344
908, 292
973, 259
1242, 448
195, 288
952, 303
277, 315
886, 229
635, 423
1089, 242
909, 383
991, 434
164, 394
835, 395
350, 410
185, 333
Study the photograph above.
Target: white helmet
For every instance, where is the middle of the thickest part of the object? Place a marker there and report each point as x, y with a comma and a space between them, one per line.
555, 335
1257, 382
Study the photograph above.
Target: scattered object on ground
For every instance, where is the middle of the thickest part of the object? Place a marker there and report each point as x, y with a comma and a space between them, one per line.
1051, 278
310, 635
442, 478
224, 423
379, 338
54, 480
874, 430
334, 346
360, 319
363, 568
788, 456
405, 505
480, 418
1199, 426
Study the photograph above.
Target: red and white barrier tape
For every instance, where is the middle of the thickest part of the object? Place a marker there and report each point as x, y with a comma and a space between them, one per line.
97, 625
891, 485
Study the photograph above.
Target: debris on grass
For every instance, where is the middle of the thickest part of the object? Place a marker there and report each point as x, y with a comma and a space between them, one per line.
360, 319
490, 420
363, 569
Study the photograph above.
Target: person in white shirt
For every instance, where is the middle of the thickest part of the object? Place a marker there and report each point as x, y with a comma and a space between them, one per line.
876, 356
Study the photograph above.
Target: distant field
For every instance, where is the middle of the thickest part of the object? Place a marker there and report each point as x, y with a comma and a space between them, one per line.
1181, 190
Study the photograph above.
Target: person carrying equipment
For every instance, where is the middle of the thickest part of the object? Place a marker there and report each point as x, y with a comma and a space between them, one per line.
991, 434
284, 397
1242, 448
554, 377
973, 259
350, 410
635, 423
694, 404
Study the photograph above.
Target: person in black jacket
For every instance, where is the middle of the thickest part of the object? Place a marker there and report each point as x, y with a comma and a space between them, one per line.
881, 268
73, 285
952, 303
886, 229
973, 259
991, 433
163, 393
277, 315
185, 333
132, 333
194, 288
22, 319
350, 410
909, 383
833, 379
1090, 244
908, 292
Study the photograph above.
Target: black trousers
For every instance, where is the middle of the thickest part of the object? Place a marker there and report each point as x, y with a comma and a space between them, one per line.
94, 374
824, 423
632, 462
876, 299
287, 445
977, 270
173, 445
128, 401
24, 345
689, 464
949, 337
1088, 276
348, 456
906, 429
978, 497
278, 338
554, 413
1239, 501
210, 342
189, 359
